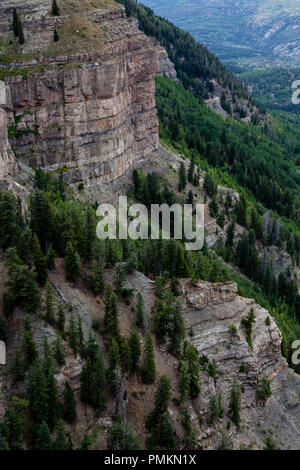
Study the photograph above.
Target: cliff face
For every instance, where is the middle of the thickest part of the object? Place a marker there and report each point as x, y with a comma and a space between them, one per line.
209, 311
90, 109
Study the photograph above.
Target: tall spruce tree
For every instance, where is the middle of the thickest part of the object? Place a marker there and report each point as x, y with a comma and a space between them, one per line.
69, 404
148, 366
135, 347
182, 177
55, 8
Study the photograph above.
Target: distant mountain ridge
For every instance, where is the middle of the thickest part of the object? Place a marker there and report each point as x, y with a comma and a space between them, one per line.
241, 32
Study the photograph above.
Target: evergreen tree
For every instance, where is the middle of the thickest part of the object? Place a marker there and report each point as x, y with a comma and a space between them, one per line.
72, 264
69, 404
125, 353
50, 315
15, 23
165, 431
55, 36
148, 366
20, 31
177, 330
235, 403
230, 234
140, 311
86, 442
122, 437
96, 278
43, 438
98, 391
191, 171
190, 199
55, 8
30, 351
62, 438
263, 391
37, 394
182, 177
111, 313
40, 261
73, 335
51, 255
137, 183
184, 381
191, 356
114, 354
61, 319
17, 368
54, 408
135, 347
59, 354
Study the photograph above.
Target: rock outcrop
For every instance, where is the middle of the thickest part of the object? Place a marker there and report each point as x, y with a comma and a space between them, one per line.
210, 312
90, 113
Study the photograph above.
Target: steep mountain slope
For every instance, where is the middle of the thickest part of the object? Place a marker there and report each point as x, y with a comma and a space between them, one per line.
87, 357
249, 33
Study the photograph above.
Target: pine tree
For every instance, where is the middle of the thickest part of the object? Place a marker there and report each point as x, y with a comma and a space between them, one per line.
184, 381
148, 367
59, 354
61, 319
191, 356
21, 33
55, 36
73, 335
51, 255
37, 393
111, 313
80, 336
69, 404
191, 171
86, 378
190, 199
137, 183
182, 177
122, 437
62, 439
135, 347
43, 438
40, 261
17, 368
72, 264
98, 391
177, 330
114, 355
50, 315
165, 431
29, 344
235, 403
162, 397
96, 278
53, 402
89, 234
140, 309
86, 442
125, 353
15, 23
230, 234
55, 8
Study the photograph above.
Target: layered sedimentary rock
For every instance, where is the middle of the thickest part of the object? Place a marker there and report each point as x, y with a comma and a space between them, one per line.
91, 113
211, 322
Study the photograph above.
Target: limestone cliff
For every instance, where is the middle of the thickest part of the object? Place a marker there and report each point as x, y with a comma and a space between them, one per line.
84, 104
